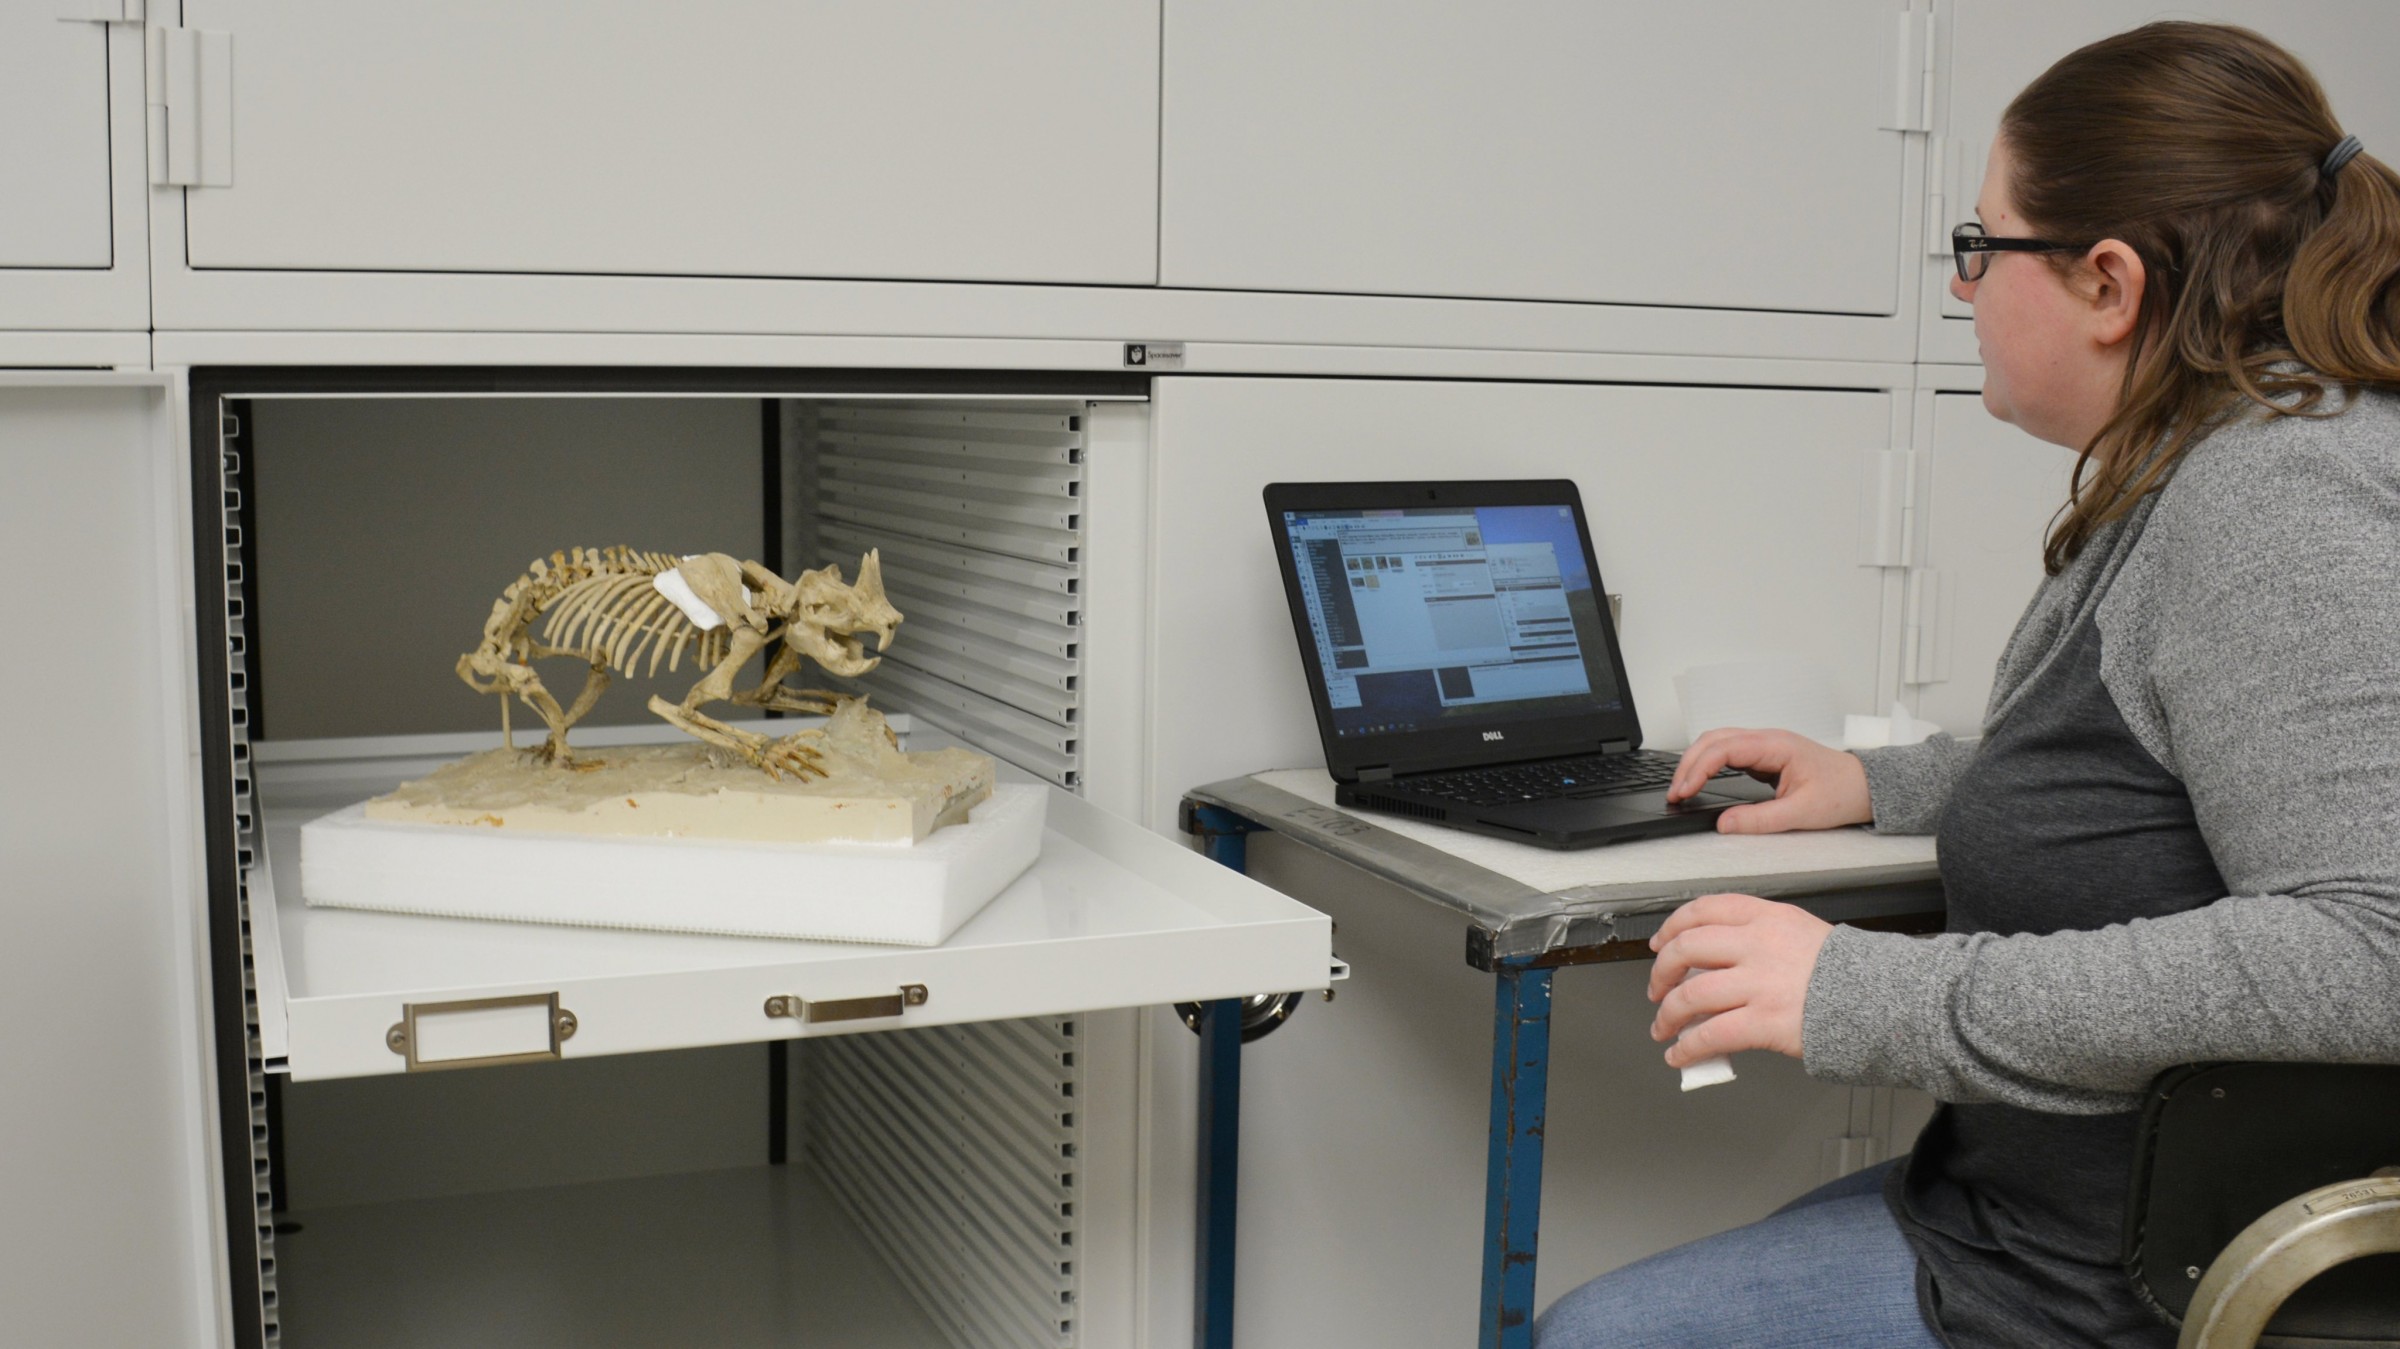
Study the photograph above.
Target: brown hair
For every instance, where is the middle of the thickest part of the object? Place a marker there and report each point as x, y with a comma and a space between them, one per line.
2201, 146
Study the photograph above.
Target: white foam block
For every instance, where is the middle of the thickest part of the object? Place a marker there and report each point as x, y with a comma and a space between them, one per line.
1708, 1073
909, 894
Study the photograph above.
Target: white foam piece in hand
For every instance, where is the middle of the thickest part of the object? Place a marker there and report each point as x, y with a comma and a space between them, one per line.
1708, 1073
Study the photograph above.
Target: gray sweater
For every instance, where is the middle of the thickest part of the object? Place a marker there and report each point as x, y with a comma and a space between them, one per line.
2249, 615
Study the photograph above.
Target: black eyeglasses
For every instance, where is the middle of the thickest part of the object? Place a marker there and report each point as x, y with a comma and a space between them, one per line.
1971, 249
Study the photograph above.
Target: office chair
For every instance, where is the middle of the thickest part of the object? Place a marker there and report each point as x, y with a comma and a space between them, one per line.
2266, 1205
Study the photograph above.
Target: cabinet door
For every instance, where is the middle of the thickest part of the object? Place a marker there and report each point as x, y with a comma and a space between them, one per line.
54, 100
100, 1070
1990, 496
71, 214
1727, 518
917, 139
1727, 155
1997, 47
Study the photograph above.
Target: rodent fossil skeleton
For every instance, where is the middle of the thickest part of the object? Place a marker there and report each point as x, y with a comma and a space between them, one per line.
615, 608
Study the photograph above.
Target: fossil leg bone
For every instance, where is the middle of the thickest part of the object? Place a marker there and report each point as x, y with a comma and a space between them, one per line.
776, 757
554, 750
511, 679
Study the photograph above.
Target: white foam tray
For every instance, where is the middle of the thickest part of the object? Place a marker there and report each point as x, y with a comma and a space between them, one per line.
906, 894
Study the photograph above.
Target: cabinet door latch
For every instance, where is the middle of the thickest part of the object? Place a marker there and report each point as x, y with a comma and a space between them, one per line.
810, 1011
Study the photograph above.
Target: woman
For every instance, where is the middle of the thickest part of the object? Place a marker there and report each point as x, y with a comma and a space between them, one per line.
2179, 837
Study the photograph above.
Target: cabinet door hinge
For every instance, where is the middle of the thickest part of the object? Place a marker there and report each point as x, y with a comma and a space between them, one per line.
1924, 644
101, 11
1912, 73
191, 107
1887, 508
1953, 179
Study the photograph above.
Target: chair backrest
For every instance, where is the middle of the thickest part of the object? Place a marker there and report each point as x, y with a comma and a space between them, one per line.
2222, 1143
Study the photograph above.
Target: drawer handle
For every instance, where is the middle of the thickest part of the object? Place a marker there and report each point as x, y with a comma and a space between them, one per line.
811, 1011
469, 1021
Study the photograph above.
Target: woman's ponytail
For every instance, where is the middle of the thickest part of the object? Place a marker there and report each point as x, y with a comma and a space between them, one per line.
2341, 303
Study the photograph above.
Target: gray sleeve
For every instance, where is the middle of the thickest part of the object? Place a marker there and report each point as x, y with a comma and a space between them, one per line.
2271, 687
1907, 785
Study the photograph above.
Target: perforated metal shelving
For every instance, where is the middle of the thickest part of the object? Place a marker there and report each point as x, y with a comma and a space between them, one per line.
245, 832
955, 1150
977, 510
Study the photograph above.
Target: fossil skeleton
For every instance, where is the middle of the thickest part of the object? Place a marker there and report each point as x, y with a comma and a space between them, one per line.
618, 610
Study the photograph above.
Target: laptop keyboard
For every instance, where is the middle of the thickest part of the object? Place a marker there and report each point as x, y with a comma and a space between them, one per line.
1588, 775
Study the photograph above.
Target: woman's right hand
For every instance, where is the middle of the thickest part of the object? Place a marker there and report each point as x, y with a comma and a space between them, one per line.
1815, 787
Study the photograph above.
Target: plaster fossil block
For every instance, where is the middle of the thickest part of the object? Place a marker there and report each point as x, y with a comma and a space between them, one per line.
867, 791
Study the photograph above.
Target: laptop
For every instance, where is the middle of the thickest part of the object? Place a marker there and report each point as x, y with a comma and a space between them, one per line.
1464, 665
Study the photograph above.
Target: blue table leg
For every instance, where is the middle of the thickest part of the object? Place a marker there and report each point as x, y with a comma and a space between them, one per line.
1512, 1190
1224, 836
1220, 1171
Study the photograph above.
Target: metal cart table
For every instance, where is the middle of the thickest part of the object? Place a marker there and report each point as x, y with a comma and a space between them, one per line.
1529, 911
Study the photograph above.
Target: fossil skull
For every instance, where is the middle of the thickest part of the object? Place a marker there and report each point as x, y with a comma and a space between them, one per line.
828, 621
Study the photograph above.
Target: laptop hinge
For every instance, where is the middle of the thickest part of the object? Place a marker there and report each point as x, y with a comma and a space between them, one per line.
1616, 747
1379, 773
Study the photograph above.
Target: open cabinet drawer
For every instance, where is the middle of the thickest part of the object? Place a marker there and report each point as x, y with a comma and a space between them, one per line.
988, 1139
1110, 915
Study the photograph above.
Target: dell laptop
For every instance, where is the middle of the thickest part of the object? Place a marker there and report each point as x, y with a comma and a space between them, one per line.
1464, 666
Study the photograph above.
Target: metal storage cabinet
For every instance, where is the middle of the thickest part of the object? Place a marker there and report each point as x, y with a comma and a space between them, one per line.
74, 252
1990, 49
149, 915
1728, 156
726, 139
939, 170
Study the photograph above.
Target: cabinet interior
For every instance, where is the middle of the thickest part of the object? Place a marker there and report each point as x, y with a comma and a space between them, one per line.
902, 1188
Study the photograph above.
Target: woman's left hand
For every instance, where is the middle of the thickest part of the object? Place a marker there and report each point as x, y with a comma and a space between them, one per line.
1753, 959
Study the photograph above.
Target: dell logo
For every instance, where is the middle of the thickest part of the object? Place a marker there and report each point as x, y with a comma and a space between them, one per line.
1495, 735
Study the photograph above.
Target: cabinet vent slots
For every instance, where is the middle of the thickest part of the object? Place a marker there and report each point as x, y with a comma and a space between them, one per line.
955, 1149
237, 713
977, 508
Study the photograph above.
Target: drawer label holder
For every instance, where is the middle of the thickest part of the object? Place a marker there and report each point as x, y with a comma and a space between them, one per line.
810, 1011
537, 1017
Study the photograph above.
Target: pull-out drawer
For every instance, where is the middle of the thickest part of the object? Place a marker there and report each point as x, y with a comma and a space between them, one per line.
1110, 915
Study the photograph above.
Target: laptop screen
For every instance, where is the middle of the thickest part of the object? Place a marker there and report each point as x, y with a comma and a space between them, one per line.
1448, 617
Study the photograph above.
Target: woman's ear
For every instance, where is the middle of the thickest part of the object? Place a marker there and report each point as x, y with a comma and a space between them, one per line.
2117, 300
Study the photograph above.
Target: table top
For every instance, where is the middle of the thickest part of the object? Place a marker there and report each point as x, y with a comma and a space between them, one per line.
1526, 901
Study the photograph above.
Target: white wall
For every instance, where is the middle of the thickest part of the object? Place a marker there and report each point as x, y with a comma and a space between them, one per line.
386, 527
372, 1139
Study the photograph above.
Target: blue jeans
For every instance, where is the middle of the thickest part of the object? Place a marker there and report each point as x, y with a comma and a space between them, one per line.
1828, 1269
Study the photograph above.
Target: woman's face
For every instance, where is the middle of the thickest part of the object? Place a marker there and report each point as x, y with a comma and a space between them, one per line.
2053, 365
